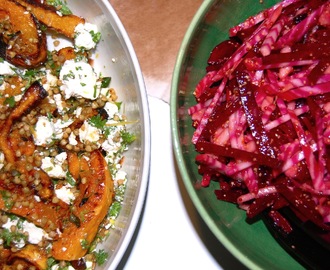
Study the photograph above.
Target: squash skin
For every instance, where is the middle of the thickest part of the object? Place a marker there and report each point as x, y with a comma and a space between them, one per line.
99, 194
48, 16
30, 255
34, 94
23, 52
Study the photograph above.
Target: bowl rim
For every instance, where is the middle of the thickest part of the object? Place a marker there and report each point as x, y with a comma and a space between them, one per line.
146, 142
198, 17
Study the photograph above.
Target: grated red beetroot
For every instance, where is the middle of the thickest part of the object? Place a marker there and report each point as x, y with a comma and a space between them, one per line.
262, 118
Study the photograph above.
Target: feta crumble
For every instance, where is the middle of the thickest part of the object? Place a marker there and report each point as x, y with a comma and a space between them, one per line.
65, 194
111, 109
79, 80
2, 160
87, 132
54, 166
46, 130
35, 234
6, 68
86, 36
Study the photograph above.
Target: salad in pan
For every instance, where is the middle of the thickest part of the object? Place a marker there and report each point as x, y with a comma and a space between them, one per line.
62, 139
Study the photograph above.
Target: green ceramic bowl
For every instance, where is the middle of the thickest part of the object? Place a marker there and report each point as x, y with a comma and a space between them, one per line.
252, 244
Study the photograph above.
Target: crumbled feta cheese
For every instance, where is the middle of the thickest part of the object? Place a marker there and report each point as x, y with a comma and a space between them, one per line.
51, 81
109, 145
111, 109
65, 194
60, 158
54, 166
89, 264
3, 86
17, 98
6, 68
79, 80
87, 132
35, 233
59, 103
85, 36
72, 139
120, 175
2, 160
78, 111
44, 131
60, 124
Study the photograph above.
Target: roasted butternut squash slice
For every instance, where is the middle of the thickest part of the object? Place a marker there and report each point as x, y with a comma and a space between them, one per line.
90, 211
23, 44
64, 24
30, 256
42, 214
73, 164
32, 95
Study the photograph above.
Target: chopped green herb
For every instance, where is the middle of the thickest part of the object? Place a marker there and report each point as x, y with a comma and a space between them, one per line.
75, 220
50, 262
20, 224
95, 36
118, 105
69, 178
114, 209
6, 196
10, 101
97, 121
31, 75
84, 243
127, 137
12, 238
80, 57
61, 6
68, 76
95, 91
105, 82
100, 256
49, 116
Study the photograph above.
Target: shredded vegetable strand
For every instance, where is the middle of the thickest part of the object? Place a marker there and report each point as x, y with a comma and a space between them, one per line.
263, 113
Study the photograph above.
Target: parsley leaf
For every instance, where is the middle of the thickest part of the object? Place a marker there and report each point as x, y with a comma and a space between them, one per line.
97, 121
10, 101
6, 196
10, 237
101, 256
127, 137
61, 6
69, 178
105, 82
95, 36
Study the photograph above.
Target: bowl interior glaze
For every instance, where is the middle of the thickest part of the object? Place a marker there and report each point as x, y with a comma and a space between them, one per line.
252, 244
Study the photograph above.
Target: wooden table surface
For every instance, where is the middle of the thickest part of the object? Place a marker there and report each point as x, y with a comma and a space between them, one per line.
156, 29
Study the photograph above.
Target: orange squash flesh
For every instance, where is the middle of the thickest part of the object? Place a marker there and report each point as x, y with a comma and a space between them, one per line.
64, 24
29, 48
33, 94
29, 255
70, 245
